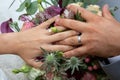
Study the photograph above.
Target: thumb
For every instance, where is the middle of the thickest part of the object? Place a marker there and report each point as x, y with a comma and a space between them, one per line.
106, 12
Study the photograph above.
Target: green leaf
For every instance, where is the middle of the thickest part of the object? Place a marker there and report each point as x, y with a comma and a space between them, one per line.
25, 69
16, 71
55, 2
79, 17
39, 1
14, 26
65, 3
25, 4
32, 8
46, 2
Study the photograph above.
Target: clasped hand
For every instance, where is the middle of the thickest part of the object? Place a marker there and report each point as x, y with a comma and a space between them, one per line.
99, 34
99, 37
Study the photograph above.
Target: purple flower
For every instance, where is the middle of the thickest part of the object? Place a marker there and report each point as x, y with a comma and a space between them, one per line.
24, 17
5, 27
27, 25
41, 17
52, 11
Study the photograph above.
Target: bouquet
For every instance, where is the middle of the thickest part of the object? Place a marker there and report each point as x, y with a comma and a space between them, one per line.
55, 66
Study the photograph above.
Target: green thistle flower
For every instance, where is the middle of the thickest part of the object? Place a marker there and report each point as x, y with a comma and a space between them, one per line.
74, 64
50, 59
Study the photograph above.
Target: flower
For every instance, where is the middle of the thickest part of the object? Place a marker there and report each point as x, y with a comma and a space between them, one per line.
95, 9
52, 11
80, 4
5, 26
88, 76
47, 14
68, 14
24, 17
27, 25
55, 66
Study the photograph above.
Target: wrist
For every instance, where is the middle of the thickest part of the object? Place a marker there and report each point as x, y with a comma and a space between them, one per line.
9, 43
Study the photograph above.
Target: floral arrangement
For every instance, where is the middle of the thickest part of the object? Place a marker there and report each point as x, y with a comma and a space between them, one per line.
55, 66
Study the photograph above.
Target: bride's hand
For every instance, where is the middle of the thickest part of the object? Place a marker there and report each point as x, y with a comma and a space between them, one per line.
29, 42
99, 34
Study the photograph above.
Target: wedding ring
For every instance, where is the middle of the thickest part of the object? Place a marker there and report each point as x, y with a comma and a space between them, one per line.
79, 39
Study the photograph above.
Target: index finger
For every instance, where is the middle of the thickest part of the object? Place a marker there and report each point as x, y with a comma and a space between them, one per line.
72, 24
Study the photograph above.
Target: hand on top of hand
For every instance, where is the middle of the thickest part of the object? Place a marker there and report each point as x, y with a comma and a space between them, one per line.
30, 41
99, 34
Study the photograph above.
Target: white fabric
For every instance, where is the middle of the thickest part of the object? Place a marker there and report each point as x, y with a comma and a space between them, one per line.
2, 75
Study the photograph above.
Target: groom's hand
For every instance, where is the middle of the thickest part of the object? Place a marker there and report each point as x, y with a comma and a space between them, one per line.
99, 34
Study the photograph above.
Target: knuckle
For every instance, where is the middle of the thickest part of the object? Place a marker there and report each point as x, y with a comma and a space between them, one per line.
66, 48
73, 23
77, 51
93, 29
85, 39
99, 19
71, 41
92, 47
82, 11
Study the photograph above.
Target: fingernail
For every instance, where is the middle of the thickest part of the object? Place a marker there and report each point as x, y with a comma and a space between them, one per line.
57, 20
65, 55
106, 6
58, 16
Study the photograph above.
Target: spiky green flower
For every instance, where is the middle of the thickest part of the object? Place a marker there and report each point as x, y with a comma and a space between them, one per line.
50, 59
74, 64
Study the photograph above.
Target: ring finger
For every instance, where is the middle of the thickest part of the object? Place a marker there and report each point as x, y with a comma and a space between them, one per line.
72, 41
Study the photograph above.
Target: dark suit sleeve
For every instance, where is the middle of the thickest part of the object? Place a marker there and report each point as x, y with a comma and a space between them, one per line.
112, 70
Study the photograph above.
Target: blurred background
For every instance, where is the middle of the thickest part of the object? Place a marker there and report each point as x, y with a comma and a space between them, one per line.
6, 12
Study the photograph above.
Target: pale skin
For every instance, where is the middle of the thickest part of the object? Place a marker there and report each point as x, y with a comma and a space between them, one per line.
100, 35
27, 44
